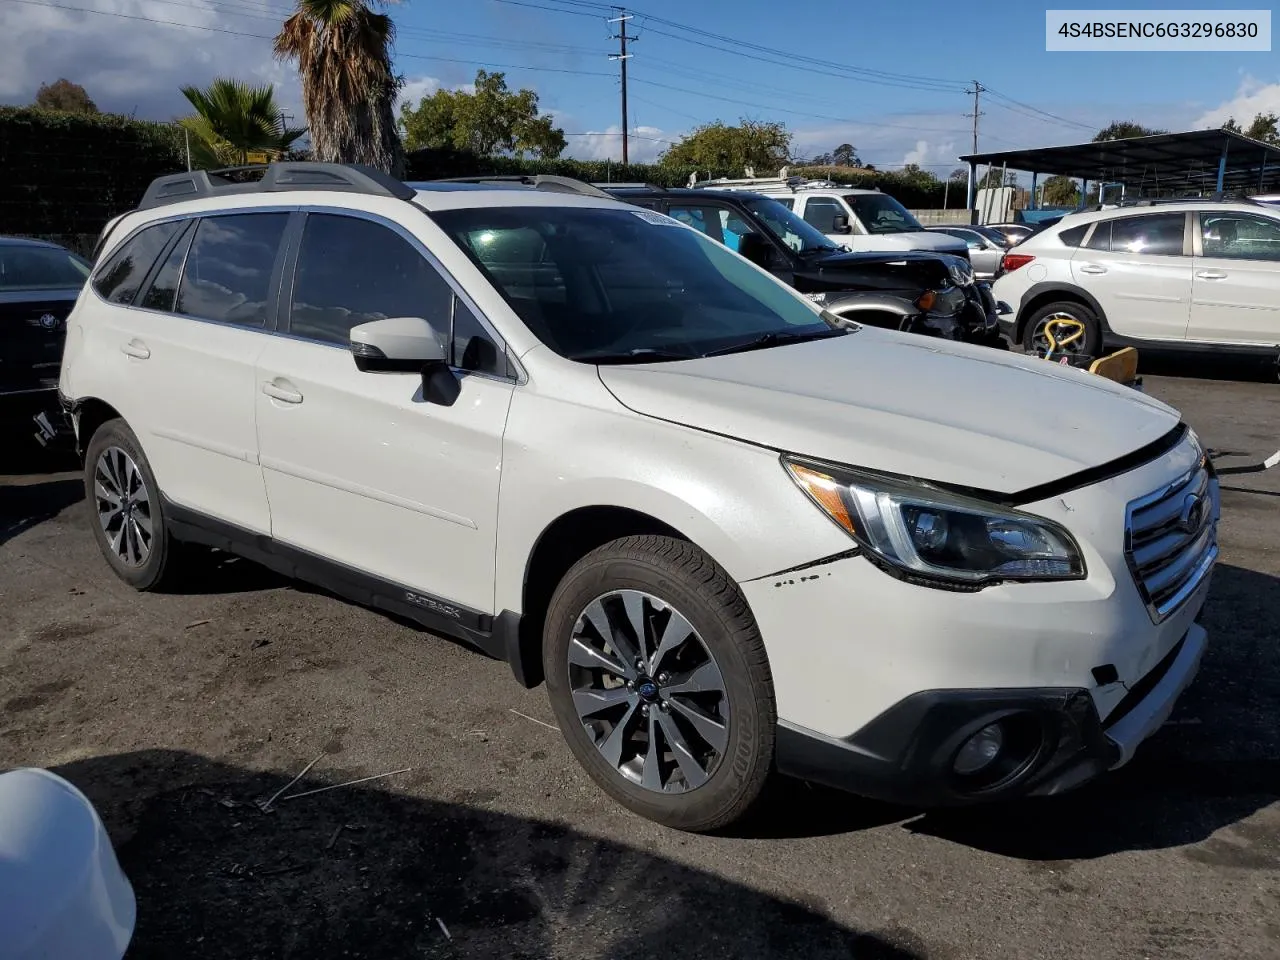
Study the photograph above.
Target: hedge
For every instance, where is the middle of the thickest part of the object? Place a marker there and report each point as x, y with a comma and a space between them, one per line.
911, 189
64, 173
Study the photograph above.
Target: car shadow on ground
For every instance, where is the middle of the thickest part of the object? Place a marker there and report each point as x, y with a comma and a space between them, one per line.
363, 871
1170, 363
1214, 765
25, 505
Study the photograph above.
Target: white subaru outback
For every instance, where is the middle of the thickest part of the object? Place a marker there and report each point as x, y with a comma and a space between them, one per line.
732, 533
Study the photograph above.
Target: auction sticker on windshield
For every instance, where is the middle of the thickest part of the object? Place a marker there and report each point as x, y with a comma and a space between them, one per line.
1157, 30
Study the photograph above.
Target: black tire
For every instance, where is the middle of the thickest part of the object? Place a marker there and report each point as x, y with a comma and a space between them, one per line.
157, 568
678, 574
1092, 342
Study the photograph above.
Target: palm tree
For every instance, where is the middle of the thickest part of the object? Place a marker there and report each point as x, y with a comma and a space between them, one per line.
232, 121
342, 48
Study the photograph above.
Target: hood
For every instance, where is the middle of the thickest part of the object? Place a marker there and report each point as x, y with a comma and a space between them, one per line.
905, 404
918, 240
909, 272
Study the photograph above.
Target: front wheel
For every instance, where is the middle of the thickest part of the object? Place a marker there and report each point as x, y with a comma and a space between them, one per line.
660, 683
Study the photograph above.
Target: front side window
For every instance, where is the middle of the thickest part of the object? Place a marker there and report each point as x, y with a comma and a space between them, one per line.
228, 270
635, 286
121, 276
880, 213
821, 214
1159, 234
1240, 236
30, 267
383, 275
788, 226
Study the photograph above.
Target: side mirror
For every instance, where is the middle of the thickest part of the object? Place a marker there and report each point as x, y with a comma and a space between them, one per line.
756, 249
406, 345
840, 224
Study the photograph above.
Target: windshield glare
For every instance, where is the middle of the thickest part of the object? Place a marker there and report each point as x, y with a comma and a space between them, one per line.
34, 268
597, 281
789, 227
880, 213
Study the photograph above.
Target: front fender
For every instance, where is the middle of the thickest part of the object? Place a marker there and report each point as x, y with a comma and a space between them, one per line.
733, 499
848, 305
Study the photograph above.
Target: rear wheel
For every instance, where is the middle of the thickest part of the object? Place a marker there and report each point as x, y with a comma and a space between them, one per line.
659, 680
1074, 326
129, 522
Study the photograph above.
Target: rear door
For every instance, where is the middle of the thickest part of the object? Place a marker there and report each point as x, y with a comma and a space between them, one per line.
1139, 268
1235, 294
181, 346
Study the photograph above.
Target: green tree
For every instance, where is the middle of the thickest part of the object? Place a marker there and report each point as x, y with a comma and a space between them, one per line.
845, 156
993, 178
1123, 129
65, 96
491, 120
1262, 128
1060, 191
232, 121
960, 174
343, 52
763, 146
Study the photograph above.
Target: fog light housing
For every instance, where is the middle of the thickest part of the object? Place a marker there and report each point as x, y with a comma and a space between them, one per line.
979, 751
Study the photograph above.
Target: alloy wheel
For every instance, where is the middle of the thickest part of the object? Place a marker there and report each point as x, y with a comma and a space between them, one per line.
124, 506
1070, 340
648, 691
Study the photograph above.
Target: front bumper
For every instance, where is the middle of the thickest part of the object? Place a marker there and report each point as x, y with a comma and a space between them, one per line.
907, 754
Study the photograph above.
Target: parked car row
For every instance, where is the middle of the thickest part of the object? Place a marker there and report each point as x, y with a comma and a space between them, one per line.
585, 437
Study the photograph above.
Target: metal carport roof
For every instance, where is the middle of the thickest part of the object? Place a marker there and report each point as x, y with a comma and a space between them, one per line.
1202, 161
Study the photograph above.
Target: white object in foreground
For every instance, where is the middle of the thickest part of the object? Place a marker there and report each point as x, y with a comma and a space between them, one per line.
62, 892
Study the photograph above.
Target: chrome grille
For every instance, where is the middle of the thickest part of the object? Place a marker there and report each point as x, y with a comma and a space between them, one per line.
1171, 540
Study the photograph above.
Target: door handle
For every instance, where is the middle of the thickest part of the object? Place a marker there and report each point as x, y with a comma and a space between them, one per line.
1093, 268
136, 349
280, 391
1211, 275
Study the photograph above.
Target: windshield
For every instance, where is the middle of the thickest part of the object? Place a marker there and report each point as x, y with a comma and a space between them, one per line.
789, 227
609, 285
31, 268
880, 213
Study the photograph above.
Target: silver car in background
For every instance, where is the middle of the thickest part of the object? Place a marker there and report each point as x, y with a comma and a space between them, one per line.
985, 250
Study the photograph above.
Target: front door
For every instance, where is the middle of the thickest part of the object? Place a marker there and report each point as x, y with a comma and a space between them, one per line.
359, 468
1139, 270
1235, 294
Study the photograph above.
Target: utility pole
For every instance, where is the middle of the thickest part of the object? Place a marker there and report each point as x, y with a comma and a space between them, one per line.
971, 203
622, 57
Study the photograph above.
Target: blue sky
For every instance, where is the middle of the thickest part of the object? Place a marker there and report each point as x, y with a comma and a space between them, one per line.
133, 55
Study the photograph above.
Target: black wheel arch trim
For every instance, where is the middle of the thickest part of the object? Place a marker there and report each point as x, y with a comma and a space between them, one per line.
1038, 290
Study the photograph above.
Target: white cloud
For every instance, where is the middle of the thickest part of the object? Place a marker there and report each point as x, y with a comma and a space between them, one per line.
644, 146
130, 65
1252, 98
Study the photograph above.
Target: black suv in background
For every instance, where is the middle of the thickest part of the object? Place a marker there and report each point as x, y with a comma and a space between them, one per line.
929, 293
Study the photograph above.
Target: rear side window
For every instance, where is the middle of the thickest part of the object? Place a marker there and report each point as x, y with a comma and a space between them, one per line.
119, 279
1159, 234
1101, 238
164, 288
227, 277
1072, 237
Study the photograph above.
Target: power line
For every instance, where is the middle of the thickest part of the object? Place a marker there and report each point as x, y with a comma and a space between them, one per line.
1045, 113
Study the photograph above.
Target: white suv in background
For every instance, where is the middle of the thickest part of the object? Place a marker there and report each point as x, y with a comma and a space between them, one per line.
1192, 275
600, 446
857, 219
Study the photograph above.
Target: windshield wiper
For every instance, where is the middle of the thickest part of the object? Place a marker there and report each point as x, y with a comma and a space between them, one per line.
634, 355
774, 339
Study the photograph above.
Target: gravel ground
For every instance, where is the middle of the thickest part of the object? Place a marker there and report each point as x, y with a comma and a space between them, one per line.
175, 712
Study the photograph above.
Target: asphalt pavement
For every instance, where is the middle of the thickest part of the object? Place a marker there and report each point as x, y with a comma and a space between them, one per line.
175, 713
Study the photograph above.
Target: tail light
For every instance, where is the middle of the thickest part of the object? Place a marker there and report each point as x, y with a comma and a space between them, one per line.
1012, 261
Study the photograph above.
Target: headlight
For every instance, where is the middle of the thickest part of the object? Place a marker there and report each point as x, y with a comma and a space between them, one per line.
937, 535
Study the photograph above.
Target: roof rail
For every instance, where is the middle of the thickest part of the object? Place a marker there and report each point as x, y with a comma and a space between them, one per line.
539, 181
630, 186
276, 177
